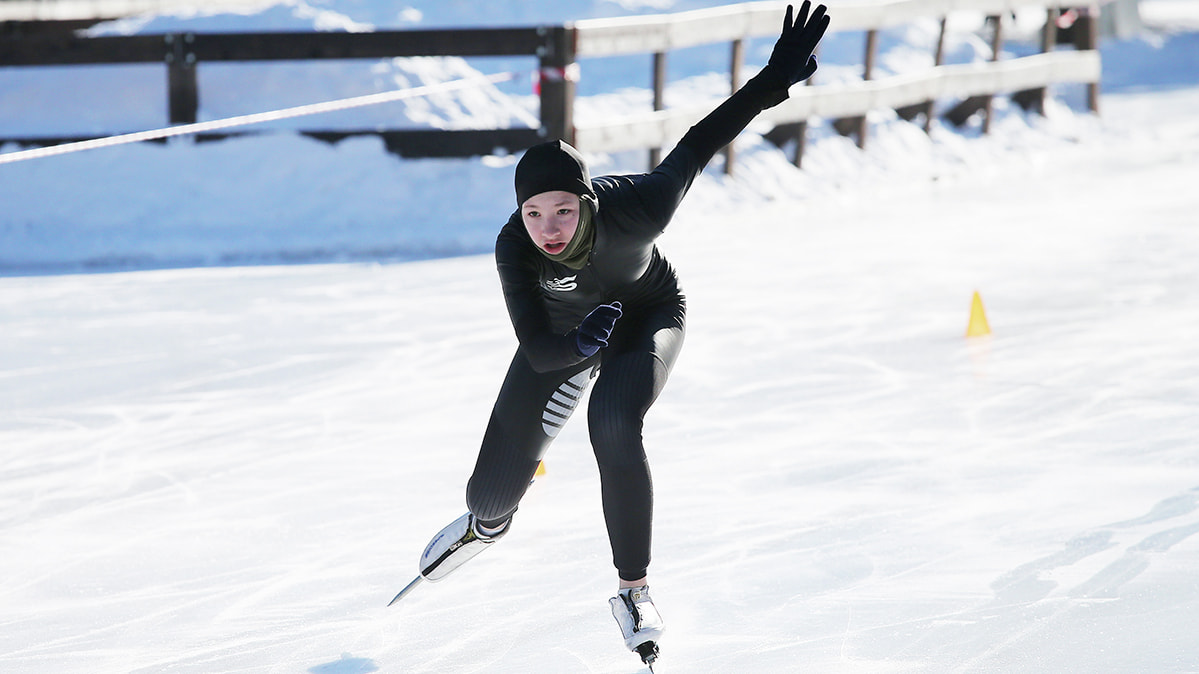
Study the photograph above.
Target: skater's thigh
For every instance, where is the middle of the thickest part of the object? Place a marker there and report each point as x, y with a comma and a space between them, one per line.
532, 407
639, 360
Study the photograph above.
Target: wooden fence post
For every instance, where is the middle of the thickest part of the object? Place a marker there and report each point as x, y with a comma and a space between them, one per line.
867, 75
849, 126
659, 86
557, 76
964, 110
801, 143
996, 49
1034, 99
183, 95
911, 112
1086, 37
938, 59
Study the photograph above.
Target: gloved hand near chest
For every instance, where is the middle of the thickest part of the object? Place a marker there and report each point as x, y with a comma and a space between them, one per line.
593, 332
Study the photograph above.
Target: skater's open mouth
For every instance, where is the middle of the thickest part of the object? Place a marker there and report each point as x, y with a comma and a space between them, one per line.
554, 248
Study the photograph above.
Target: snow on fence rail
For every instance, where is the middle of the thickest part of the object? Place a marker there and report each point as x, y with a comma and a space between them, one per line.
849, 100
557, 49
911, 94
665, 32
82, 10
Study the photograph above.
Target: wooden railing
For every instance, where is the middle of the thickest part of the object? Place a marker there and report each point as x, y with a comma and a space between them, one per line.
182, 54
557, 49
848, 103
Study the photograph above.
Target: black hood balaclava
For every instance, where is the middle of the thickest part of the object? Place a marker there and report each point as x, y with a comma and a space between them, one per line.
554, 166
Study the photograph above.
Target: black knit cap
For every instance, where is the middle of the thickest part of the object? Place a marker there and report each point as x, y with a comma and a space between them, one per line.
552, 166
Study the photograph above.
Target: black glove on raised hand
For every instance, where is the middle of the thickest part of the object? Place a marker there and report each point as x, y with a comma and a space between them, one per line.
792, 57
592, 334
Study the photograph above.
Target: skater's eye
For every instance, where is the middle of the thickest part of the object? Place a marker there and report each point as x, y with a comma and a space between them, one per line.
565, 211
532, 214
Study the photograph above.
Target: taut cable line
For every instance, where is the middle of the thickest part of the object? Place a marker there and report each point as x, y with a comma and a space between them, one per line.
255, 118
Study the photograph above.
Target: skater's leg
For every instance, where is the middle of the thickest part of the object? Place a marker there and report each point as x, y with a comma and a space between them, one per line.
502, 474
530, 409
632, 376
528, 413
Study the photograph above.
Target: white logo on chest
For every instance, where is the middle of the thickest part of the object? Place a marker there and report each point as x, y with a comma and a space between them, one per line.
562, 285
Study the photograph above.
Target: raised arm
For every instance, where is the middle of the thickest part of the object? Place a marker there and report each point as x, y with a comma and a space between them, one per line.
791, 61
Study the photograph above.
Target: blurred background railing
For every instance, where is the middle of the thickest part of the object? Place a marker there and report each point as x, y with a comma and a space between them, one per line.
50, 36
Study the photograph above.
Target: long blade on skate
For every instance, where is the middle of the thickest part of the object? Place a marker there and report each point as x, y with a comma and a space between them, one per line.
407, 588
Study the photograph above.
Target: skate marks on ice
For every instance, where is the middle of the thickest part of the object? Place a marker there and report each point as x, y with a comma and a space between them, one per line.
1085, 593
1158, 531
1117, 597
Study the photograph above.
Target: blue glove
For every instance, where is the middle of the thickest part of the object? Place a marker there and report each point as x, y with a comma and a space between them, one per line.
592, 334
792, 57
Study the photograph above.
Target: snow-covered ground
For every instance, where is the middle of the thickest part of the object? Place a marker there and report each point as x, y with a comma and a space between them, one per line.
230, 469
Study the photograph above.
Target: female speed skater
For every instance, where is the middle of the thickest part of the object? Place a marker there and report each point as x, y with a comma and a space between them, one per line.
592, 299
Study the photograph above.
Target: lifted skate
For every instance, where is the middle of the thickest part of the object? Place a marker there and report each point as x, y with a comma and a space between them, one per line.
640, 623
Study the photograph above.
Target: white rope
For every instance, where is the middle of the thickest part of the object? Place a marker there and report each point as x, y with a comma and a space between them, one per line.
256, 118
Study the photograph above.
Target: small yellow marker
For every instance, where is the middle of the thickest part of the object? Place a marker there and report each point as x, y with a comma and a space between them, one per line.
978, 318
540, 469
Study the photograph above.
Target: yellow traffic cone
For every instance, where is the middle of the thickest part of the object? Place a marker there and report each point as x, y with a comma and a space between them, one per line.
978, 318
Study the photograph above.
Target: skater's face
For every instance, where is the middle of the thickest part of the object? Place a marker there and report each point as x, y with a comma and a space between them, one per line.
551, 219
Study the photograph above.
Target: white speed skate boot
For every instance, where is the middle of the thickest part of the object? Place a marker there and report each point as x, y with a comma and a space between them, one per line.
639, 621
456, 545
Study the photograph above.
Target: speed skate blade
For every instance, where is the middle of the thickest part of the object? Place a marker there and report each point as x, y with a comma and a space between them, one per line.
407, 588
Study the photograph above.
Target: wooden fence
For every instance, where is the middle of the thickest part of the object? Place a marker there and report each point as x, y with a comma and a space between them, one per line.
557, 49
182, 53
848, 103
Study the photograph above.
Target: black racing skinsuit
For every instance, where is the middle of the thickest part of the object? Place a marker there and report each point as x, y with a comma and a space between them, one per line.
547, 300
